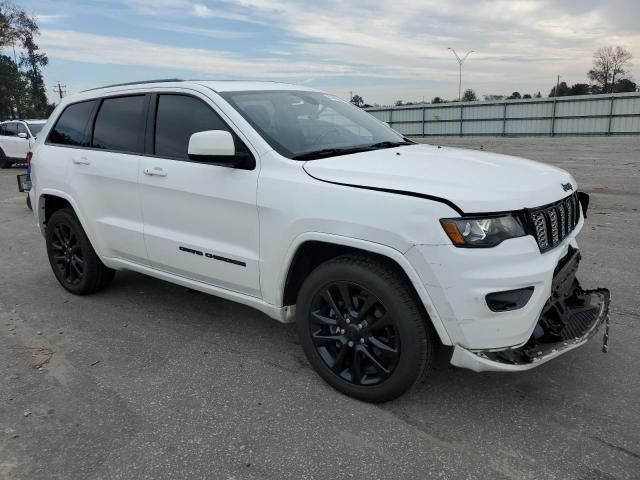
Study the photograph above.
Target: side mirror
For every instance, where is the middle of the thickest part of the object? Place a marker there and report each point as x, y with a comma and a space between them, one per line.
213, 146
22, 135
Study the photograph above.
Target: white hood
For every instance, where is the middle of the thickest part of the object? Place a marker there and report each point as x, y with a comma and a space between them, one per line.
474, 181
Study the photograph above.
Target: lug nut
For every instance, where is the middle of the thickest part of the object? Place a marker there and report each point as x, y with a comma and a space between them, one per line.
342, 331
350, 343
362, 340
347, 320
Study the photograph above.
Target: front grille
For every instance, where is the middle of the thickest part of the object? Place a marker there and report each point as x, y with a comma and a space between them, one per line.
552, 223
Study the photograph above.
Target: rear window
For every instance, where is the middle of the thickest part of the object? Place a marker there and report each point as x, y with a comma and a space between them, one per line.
70, 129
35, 128
119, 125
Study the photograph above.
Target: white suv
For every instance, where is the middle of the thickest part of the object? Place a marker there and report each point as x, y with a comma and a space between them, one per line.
307, 208
16, 139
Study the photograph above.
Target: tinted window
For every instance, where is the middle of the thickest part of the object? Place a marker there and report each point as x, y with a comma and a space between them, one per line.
9, 129
35, 128
119, 124
177, 118
70, 127
22, 128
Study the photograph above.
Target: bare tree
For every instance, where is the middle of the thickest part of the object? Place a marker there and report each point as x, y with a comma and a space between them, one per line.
609, 64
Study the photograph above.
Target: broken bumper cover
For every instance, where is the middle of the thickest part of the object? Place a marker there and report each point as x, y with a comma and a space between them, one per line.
569, 319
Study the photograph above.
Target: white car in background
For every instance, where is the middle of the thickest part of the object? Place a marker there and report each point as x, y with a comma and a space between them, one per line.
16, 139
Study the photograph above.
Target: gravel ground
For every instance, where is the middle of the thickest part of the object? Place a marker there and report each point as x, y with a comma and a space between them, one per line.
148, 380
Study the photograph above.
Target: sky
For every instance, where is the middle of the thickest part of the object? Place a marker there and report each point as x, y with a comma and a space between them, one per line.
381, 50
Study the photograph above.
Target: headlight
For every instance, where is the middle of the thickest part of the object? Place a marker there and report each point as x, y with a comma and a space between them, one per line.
482, 232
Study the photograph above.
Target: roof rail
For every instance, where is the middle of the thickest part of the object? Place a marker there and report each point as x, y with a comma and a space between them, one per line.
161, 80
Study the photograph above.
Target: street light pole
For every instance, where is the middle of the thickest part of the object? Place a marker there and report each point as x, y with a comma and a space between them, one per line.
460, 63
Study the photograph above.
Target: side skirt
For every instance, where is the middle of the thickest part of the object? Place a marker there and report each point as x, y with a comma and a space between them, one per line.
281, 314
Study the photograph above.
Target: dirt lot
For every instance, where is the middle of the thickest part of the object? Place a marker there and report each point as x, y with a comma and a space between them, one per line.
147, 380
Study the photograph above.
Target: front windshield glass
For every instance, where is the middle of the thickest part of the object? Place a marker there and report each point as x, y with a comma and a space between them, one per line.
35, 128
309, 125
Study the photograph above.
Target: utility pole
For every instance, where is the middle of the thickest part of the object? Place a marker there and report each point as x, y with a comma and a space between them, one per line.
19, 101
61, 90
553, 114
460, 63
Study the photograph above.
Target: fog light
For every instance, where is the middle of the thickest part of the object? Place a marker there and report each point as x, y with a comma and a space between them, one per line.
509, 299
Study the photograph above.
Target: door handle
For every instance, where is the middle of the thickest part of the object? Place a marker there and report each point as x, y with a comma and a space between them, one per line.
155, 172
81, 161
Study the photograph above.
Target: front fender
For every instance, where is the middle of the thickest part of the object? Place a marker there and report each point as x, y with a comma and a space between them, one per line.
377, 248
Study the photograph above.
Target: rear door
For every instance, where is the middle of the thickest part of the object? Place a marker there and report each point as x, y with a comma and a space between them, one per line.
201, 220
103, 141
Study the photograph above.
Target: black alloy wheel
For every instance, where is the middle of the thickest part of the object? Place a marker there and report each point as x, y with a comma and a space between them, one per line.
67, 253
73, 260
362, 327
353, 333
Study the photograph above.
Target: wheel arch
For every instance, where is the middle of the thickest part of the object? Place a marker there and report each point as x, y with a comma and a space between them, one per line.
51, 200
311, 250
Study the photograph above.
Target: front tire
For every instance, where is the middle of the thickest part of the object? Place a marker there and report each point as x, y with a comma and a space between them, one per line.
361, 328
73, 260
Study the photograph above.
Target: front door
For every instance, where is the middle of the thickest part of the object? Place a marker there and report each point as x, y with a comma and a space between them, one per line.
200, 220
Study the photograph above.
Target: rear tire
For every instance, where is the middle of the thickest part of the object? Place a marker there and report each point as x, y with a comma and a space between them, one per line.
73, 260
362, 329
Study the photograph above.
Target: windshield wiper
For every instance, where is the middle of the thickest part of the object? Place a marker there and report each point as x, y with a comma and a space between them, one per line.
333, 152
329, 152
388, 144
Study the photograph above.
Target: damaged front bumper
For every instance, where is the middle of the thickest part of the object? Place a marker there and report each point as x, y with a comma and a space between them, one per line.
568, 320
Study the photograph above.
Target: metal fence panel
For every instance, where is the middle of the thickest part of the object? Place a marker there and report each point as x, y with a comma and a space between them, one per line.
528, 127
579, 115
529, 110
443, 113
413, 115
489, 127
626, 124
568, 126
442, 128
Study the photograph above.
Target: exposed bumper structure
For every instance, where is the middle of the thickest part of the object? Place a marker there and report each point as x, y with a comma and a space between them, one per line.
569, 319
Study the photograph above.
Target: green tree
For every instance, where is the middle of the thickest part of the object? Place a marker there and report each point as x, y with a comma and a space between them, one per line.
11, 85
26, 96
526, 96
514, 96
563, 90
357, 100
580, 89
437, 100
625, 85
469, 96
